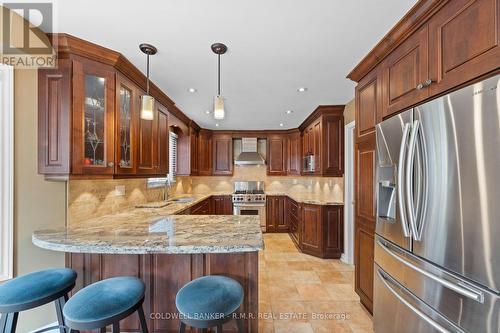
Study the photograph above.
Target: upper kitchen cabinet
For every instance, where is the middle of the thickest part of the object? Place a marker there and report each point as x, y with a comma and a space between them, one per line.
89, 116
222, 154
406, 73
463, 42
205, 153
187, 150
368, 100
294, 152
93, 118
277, 155
323, 142
126, 122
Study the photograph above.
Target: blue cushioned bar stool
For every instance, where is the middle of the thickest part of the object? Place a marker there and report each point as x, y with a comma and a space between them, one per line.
209, 301
105, 303
33, 290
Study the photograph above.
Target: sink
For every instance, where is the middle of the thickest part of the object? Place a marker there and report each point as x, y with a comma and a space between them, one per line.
182, 200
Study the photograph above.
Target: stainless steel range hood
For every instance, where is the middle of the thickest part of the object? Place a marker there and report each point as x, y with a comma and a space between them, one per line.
249, 154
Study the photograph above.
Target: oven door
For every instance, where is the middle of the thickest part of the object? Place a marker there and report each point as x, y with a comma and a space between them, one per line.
251, 209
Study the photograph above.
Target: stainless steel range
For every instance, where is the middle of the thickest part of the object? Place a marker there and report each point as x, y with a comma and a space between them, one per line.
249, 199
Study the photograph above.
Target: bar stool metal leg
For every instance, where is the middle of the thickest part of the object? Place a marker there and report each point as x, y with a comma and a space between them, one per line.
142, 318
60, 318
8, 322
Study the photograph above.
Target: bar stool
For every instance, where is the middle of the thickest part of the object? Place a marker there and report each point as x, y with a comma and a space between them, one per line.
106, 303
33, 290
209, 301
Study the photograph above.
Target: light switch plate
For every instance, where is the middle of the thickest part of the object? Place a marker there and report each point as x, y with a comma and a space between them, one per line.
120, 190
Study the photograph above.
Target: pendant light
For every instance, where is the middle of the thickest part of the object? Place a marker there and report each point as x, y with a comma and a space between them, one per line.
219, 113
147, 101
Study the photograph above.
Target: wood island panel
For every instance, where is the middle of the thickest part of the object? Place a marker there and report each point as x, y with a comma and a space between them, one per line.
164, 275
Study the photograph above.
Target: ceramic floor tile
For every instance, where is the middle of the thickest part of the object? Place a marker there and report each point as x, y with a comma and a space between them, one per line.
301, 293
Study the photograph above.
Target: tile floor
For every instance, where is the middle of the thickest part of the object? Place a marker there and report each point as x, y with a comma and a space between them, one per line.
301, 293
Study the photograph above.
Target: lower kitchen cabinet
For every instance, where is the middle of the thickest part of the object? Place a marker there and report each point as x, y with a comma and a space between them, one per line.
275, 214
322, 230
317, 230
222, 205
292, 214
201, 208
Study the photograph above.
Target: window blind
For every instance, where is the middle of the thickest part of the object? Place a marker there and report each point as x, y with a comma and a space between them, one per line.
172, 168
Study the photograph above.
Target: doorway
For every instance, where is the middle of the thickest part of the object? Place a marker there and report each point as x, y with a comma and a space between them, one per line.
348, 255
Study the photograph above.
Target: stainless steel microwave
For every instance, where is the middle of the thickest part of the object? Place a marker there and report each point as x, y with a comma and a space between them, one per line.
309, 163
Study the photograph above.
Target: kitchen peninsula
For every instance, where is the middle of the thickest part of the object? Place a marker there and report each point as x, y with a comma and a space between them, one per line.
166, 251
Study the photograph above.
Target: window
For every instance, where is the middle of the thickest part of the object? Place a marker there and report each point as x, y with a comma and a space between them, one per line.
172, 165
6, 172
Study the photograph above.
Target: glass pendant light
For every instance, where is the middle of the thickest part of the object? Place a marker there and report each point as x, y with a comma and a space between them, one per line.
147, 101
219, 112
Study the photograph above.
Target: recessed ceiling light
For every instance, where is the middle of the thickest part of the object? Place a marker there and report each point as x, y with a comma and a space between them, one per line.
289, 111
207, 112
217, 125
192, 90
302, 89
281, 124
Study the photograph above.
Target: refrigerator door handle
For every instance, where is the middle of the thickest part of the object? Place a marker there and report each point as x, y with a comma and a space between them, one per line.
400, 176
423, 186
460, 289
410, 207
386, 280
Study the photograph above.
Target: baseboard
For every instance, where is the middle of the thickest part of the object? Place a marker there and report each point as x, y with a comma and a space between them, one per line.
55, 330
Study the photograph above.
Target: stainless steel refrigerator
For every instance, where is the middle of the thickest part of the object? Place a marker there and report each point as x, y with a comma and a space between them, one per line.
437, 242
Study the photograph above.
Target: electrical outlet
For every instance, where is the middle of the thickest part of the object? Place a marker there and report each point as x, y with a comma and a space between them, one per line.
120, 190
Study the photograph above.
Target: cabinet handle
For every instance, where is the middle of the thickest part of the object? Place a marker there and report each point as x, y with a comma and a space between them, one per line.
424, 84
427, 82
111, 164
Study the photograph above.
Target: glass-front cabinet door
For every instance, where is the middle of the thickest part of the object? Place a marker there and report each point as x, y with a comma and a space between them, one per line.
93, 119
126, 125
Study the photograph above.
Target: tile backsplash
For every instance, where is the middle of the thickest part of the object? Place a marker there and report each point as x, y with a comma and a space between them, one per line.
92, 198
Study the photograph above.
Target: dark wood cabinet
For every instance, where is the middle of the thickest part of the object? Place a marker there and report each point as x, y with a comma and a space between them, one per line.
368, 100
463, 42
311, 234
194, 151
222, 205
222, 155
323, 137
205, 153
201, 208
93, 130
333, 233
54, 120
147, 154
126, 122
364, 216
294, 153
277, 155
275, 214
292, 212
405, 71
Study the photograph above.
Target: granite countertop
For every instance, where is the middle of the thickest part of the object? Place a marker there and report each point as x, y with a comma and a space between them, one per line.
157, 230
307, 199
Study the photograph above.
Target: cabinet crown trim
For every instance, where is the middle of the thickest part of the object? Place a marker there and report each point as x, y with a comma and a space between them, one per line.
417, 16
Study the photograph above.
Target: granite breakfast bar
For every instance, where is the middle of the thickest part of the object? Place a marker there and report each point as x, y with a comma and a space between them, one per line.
166, 251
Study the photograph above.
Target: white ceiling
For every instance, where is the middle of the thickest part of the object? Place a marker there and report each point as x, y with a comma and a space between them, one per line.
274, 48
